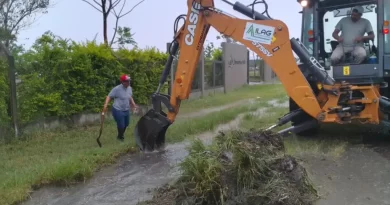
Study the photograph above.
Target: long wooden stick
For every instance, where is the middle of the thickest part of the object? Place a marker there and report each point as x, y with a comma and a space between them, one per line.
101, 129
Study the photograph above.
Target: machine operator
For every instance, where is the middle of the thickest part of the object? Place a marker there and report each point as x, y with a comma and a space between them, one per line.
352, 37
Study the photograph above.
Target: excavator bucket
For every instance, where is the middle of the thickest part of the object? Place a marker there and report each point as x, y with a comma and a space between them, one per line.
150, 130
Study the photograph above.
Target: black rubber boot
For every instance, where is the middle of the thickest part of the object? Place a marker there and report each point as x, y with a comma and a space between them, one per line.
124, 130
120, 134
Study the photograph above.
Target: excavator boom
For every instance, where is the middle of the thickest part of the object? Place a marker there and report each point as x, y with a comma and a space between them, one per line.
268, 38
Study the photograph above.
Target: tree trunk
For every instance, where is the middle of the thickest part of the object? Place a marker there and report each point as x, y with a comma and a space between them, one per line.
105, 29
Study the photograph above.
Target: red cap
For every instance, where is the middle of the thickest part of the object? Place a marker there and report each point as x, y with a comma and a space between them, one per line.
125, 77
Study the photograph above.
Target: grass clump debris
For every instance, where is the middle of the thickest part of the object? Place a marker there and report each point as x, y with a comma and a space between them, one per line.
240, 167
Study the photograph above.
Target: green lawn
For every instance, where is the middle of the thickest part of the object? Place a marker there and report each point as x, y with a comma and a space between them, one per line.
254, 73
71, 155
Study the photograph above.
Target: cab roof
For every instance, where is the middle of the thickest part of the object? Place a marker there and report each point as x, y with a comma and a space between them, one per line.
339, 3
344, 3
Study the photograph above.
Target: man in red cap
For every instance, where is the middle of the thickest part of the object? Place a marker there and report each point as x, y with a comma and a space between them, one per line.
123, 102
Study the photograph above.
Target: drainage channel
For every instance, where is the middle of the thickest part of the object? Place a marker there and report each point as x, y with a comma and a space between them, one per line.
132, 178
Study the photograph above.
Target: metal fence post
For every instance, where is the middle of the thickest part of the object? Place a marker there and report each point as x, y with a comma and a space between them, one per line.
262, 70
214, 73
223, 45
202, 73
247, 67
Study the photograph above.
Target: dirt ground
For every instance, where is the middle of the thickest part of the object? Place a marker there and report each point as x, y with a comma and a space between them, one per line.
359, 176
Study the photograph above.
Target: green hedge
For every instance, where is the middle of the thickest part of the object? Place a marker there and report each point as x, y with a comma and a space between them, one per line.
145, 68
63, 78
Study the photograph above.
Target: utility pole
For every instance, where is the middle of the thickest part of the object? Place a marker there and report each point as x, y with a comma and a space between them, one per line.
12, 85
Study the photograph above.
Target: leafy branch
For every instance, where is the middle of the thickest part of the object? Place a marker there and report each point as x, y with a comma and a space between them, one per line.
109, 6
14, 15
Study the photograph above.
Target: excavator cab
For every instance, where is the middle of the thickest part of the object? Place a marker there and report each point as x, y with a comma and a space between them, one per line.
319, 19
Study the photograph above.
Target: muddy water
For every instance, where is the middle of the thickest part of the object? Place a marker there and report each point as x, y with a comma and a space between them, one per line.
128, 182
277, 103
125, 183
207, 111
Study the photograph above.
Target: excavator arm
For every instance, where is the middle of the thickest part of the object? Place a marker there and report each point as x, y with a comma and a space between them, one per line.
269, 39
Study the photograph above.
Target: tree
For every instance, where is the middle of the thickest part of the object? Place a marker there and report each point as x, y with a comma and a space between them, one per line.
16, 15
124, 37
208, 51
106, 7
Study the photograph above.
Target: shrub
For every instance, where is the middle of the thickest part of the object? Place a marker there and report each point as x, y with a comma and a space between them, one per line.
61, 77
145, 68
217, 55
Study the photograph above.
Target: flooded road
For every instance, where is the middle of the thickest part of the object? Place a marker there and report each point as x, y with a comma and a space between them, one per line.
360, 176
125, 183
130, 180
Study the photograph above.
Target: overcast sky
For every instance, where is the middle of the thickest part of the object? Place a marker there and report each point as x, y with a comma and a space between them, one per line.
152, 21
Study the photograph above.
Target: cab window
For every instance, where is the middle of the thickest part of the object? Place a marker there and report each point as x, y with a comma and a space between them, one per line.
331, 18
307, 27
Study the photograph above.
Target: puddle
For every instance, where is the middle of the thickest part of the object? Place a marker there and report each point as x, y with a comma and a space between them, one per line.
277, 103
131, 179
207, 137
207, 111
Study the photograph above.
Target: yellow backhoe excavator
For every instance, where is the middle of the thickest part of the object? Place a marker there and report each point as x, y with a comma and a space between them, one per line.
315, 96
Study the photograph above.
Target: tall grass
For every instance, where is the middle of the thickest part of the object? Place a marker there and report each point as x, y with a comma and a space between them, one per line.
238, 168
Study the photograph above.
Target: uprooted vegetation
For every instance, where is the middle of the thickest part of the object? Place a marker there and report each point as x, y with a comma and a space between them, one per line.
239, 168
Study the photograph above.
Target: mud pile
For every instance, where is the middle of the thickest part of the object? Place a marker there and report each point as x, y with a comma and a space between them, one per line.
238, 168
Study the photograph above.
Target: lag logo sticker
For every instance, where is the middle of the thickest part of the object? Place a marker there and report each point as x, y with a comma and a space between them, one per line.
259, 33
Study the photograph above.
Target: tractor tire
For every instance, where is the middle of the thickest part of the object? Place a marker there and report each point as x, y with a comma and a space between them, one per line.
297, 120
